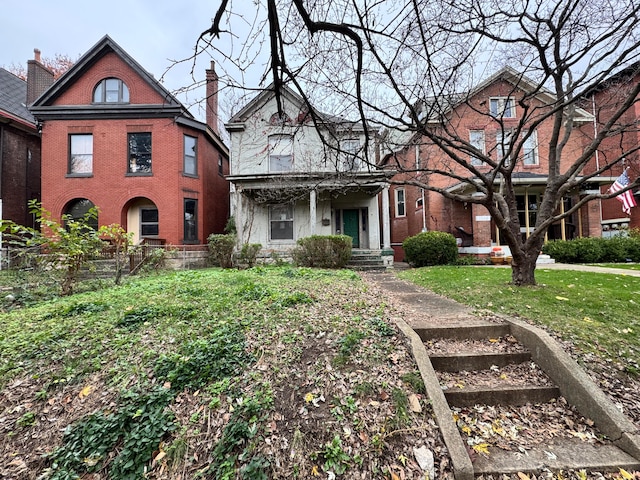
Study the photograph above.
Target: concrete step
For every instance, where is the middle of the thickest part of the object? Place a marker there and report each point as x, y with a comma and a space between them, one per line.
565, 454
500, 395
458, 362
476, 331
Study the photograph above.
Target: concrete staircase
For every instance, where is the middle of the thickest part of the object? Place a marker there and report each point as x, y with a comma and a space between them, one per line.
366, 260
461, 355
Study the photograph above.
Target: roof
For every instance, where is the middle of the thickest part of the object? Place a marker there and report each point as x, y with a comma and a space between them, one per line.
13, 97
106, 45
287, 93
515, 78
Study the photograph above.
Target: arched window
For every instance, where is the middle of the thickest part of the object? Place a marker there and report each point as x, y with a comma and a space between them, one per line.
111, 90
78, 208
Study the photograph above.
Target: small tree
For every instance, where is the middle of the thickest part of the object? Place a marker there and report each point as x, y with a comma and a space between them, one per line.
120, 240
66, 245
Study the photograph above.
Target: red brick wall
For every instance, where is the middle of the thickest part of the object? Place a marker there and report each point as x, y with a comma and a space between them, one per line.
110, 188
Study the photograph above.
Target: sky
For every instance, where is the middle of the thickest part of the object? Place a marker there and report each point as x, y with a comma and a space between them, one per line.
154, 32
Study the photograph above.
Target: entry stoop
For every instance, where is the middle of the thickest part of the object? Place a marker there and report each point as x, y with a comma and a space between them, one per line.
366, 260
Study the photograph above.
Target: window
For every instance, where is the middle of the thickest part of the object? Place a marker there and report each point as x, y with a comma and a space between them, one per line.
190, 155
530, 148
190, 220
139, 152
220, 165
81, 154
527, 206
349, 150
281, 222
77, 210
111, 90
280, 153
476, 139
503, 146
502, 107
400, 202
149, 222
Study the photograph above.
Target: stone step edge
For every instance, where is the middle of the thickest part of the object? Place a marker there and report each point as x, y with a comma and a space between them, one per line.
458, 362
500, 395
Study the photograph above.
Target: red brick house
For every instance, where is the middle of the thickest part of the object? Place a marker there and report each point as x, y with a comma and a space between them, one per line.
20, 142
114, 137
484, 118
603, 102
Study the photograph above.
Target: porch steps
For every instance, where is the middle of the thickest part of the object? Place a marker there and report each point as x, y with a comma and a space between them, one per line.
366, 260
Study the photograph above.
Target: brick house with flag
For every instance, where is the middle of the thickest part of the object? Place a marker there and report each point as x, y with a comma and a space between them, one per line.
115, 138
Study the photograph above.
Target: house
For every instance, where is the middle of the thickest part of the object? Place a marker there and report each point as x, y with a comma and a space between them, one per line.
113, 137
20, 141
295, 172
484, 118
603, 101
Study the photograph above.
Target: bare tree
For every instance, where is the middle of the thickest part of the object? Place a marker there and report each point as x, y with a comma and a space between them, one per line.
413, 66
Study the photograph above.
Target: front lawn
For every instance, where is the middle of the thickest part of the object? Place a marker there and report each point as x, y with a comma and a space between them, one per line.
597, 312
264, 373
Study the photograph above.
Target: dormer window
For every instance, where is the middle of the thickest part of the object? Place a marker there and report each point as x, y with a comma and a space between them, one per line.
111, 90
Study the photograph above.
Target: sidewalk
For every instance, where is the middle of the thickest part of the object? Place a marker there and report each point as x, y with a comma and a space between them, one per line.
588, 268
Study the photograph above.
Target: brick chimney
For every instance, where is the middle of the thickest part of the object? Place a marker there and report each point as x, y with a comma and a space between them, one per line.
39, 78
212, 98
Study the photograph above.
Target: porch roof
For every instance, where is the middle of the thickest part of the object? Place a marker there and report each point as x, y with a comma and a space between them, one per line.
524, 179
285, 187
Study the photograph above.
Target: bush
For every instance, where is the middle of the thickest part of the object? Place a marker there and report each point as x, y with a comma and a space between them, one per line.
249, 253
323, 251
430, 248
594, 250
221, 249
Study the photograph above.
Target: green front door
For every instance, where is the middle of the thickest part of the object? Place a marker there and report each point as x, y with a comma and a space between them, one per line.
350, 226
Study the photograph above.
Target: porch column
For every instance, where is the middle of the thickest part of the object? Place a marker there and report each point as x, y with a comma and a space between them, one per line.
386, 222
312, 212
238, 214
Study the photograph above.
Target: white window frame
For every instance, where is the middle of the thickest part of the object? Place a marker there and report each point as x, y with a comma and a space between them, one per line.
349, 149
80, 154
530, 148
190, 165
479, 143
400, 202
502, 107
280, 153
502, 147
279, 217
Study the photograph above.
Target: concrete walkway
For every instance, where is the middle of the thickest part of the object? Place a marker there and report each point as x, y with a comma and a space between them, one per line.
588, 268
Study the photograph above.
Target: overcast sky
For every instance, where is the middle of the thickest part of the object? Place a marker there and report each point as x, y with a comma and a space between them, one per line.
153, 32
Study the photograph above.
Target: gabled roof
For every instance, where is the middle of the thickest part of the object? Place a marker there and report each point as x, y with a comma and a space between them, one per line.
519, 81
265, 95
13, 97
106, 45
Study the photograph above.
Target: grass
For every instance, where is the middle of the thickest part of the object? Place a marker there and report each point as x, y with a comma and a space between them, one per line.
598, 312
196, 367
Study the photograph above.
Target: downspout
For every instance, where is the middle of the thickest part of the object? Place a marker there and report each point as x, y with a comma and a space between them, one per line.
424, 206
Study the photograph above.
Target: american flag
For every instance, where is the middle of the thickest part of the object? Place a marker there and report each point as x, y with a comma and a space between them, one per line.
627, 197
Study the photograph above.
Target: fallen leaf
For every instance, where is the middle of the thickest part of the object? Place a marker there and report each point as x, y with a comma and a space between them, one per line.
564, 299
482, 448
314, 471
85, 391
626, 475
523, 476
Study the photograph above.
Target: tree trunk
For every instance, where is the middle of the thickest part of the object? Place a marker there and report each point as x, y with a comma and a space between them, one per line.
523, 270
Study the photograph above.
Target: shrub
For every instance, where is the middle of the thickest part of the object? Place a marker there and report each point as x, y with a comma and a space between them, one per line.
323, 251
249, 253
430, 248
221, 249
594, 250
